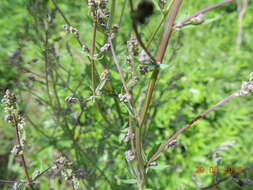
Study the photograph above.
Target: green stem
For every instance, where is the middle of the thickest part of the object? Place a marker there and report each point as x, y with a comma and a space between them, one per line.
165, 13
160, 54
93, 67
112, 13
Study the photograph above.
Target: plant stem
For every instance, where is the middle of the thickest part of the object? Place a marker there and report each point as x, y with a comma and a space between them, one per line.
29, 181
202, 11
10, 181
160, 54
112, 12
173, 137
122, 78
93, 49
138, 143
165, 13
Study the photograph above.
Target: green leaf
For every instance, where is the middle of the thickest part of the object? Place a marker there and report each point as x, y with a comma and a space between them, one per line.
164, 66
129, 181
159, 167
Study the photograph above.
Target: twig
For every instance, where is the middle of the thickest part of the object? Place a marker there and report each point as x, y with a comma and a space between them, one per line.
29, 181
122, 78
68, 23
10, 181
93, 66
242, 7
165, 13
173, 137
216, 183
40, 174
202, 11
225, 178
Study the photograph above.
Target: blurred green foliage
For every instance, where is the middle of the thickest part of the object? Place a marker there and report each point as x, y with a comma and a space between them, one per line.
205, 67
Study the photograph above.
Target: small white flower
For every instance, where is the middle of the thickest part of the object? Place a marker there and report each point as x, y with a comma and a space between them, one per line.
194, 91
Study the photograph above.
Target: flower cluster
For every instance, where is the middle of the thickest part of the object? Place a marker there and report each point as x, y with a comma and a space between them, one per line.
124, 97
247, 86
132, 46
99, 11
71, 99
104, 75
85, 48
143, 57
105, 47
67, 171
15, 118
71, 29
144, 69
129, 155
128, 136
163, 2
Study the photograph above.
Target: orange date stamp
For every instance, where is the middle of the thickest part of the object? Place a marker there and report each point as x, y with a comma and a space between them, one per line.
218, 169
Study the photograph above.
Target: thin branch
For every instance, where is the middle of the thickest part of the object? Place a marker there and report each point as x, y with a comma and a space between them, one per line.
93, 49
43, 172
242, 7
202, 11
67, 21
122, 78
216, 183
173, 137
165, 13
25, 167
233, 175
10, 181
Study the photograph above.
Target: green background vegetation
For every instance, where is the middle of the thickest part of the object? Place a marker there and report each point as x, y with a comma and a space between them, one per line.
207, 67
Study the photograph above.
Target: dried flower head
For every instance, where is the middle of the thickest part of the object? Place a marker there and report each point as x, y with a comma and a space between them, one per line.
17, 150
128, 136
127, 59
143, 57
71, 29
163, 2
153, 163
104, 75
144, 69
67, 171
115, 28
129, 155
85, 48
246, 88
124, 97
132, 45
198, 19
105, 47
71, 99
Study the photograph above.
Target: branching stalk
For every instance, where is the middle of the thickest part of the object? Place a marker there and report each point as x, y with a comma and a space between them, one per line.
173, 137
